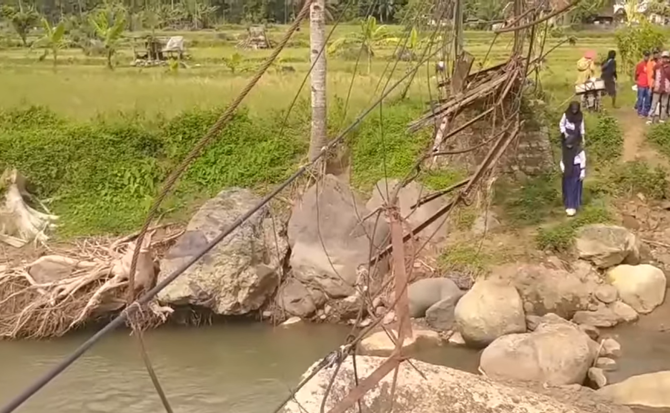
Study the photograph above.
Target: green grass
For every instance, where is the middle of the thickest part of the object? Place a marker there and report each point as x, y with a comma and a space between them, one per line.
560, 237
102, 141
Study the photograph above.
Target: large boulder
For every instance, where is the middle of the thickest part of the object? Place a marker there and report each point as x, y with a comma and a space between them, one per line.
548, 290
329, 243
240, 273
640, 286
489, 310
555, 353
408, 196
423, 387
608, 245
425, 293
649, 390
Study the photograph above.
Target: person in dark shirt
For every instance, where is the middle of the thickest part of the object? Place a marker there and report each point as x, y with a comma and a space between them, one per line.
608, 74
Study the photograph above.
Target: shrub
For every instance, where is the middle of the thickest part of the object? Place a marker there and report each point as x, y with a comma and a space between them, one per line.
633, 40
382, 146
659, 134
103, 175
604, 139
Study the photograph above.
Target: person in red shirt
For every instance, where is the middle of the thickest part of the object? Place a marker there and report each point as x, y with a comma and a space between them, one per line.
642, 83
660, 90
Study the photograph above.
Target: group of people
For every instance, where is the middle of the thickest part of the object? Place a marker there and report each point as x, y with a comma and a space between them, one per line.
652, 80
586, 70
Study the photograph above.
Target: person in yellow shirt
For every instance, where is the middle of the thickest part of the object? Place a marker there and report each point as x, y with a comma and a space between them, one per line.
586, 67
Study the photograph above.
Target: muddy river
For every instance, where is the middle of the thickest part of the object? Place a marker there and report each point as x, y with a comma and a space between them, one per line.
235, 368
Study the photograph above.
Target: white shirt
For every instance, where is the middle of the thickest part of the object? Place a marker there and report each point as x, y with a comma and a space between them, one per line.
565, 125
580, 159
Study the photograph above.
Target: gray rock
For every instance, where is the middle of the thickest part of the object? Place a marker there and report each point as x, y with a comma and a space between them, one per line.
489, 310
623, 311
239, 274
556, 354
294, 298
329, 252
547, 290
407, 198
610, 348
379, 344
424, 387
640, 286
606, 363
348, 308
602, 317
606, 293
532, 321
425, 293
485, 223
590, 331
607, 245
597, 377
440, 315
648, 390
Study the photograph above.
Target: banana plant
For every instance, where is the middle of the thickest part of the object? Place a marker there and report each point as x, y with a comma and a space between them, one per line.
414, 44
52, 41
233, 62
109, 28
370, 36
22, 20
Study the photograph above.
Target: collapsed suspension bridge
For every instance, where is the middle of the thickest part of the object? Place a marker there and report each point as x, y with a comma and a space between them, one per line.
490, 96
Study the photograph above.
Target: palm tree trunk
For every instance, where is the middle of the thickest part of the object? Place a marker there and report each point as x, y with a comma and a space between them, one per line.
317, 36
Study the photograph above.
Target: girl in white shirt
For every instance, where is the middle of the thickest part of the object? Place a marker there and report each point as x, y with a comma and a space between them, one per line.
573, 159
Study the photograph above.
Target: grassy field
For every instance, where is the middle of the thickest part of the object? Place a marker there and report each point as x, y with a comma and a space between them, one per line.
103, 140
82, 87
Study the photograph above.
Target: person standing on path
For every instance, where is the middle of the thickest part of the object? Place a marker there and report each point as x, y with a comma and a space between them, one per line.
586, 67
608, 74
573, 159
651, 75
642, 83
661, 87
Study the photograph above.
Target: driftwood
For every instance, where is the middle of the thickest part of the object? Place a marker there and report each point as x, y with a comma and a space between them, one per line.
56, 293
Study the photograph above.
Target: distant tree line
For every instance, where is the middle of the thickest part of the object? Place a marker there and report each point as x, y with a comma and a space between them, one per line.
199, 14
206, 14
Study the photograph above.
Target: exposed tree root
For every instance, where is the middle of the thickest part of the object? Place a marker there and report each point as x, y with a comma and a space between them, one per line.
19, 222
87, 284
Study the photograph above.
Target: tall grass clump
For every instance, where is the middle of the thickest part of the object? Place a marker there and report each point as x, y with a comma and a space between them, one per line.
604, 139
102, 175
382, 146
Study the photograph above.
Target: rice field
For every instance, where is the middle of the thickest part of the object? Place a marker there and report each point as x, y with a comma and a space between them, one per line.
82, 87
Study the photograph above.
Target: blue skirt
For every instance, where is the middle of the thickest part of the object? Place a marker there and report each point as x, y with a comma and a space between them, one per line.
572, 189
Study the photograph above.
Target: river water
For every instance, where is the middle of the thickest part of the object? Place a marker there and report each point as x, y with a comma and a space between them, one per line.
234, 368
